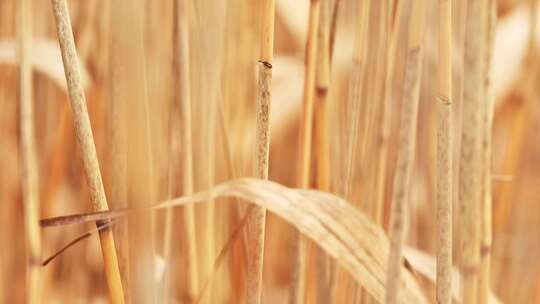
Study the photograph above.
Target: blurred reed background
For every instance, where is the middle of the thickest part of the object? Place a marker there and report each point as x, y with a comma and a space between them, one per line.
177, 99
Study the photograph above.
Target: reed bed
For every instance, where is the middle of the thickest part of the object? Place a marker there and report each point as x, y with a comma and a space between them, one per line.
318, 151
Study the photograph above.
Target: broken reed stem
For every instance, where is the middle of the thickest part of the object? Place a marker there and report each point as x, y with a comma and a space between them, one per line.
444, 156
86, 143
407, 142
181, 140
470, 175
300, 267
322, 141
29, 167
257, 218
484, 280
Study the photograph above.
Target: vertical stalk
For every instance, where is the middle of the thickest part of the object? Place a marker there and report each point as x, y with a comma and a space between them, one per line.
407, 142
444, 156
484, 280
470, 175
85, 139
29, 166
182, 111
257, 219
119, 148
382, 146
298, 287
353, 104
187, 144
322, 142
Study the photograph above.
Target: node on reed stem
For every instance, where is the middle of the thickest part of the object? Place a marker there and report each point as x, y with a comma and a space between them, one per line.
300, 268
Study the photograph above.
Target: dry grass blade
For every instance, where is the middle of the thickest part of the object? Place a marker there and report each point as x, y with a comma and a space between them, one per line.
358, 245
86, 142
444, 156
407, 143
30, 184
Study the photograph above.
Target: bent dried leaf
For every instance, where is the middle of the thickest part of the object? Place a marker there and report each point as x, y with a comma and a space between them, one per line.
355, 242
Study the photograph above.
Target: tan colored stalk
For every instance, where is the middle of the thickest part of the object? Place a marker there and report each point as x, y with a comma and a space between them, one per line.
470, 175
257, 220
407, 142
300, 268
118, 145
353, 103
187, 159
484, 280
355, 93
29, 167
444, 156
322, 141
181, 114
86, 142
382, 146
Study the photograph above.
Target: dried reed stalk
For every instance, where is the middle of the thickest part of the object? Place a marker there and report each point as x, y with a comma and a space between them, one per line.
187, 159
484, 280
407, 142
86, 143
257, 219
355, 92
29, 167
353, 103
322, 141
470, 173
182, 112
118, 143
444, 156
385, 121
308, 94
301, 265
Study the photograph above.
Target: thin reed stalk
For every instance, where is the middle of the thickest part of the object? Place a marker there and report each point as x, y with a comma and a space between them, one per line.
384, 123
484, 280
470, 173
301, 265
444, 156
353, 103
257, 218
29, 172
85, 139
118, 144
322, 142
187, 144
182, 112
407, 142
355, 92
